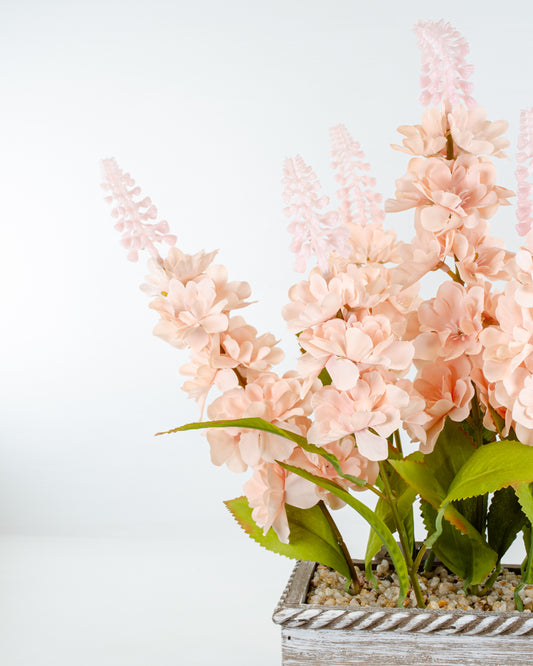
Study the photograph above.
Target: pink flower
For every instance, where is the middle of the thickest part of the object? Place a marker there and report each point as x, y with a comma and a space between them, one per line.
359, 203
176, 265
313, 301
268, 397
524, 171
473, 133
346, 347
371, 410
315, 232
268, 490
190, 314
372, 244
449, 194
135, 218
444, 69
450, 323
448, 391
428, 138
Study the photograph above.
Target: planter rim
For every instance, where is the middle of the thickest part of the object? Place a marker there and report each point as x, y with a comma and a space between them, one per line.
292, 612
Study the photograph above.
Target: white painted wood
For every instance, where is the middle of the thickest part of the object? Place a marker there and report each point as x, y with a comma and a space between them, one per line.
328, 647
315, 635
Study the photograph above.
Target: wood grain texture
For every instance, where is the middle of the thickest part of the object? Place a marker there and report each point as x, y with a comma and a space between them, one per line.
326, 636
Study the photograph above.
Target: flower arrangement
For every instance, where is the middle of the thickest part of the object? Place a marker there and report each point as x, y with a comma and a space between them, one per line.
381, 369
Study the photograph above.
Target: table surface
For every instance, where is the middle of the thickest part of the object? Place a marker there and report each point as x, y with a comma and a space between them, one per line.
136, 602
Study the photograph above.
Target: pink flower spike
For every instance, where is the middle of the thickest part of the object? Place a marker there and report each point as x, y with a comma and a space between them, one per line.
359, 203
524, 171
314, 232
135, 219
444, 70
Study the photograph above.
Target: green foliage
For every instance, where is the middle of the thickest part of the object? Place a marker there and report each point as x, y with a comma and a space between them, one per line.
255, 423
456, 541
311, 536
466, 554
505, 519
492, 467
376, 523
405, 497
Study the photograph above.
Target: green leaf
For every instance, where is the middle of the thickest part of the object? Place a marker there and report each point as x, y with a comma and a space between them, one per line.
376, 523
492, 467
311, 536
505, 519
452, 449
419, 476
255, 423
524, 494
468, 557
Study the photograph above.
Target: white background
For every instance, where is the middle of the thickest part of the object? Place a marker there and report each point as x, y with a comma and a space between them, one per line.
104, 526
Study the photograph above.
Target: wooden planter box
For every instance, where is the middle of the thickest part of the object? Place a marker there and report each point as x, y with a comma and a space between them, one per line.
324, 636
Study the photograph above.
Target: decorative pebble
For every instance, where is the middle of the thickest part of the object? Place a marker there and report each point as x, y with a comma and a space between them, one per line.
441, 590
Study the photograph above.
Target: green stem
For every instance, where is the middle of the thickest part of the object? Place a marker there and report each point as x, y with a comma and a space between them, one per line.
353, 573
377, 492
428, 564
420, 555
482, 501
398, 441
404, 540
490, 580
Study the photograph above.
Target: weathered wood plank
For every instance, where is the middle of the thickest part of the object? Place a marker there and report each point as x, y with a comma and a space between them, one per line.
328, 647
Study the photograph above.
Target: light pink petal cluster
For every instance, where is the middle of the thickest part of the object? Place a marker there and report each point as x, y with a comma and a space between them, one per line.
359, 203
268, 490
444, 68
450, 323
314, 230
524, 172
448, 391
347, 348
135, 219
268, 397
371, 410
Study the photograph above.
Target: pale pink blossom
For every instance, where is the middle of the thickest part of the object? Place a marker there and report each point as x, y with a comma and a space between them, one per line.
359, 203
524, 172
473, 133
240, 346
346, 348
371, 411
176, 265
444, 68
314, 231
203, 376
523, 273
351, 462
190, 314
479, 256
268, 490
448, 392
450, 323
274, 399
135, 218
449, 193
313, 301
373, 244
427, 139
509, 344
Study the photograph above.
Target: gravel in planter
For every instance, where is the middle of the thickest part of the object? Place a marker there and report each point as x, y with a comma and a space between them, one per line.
441, 589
